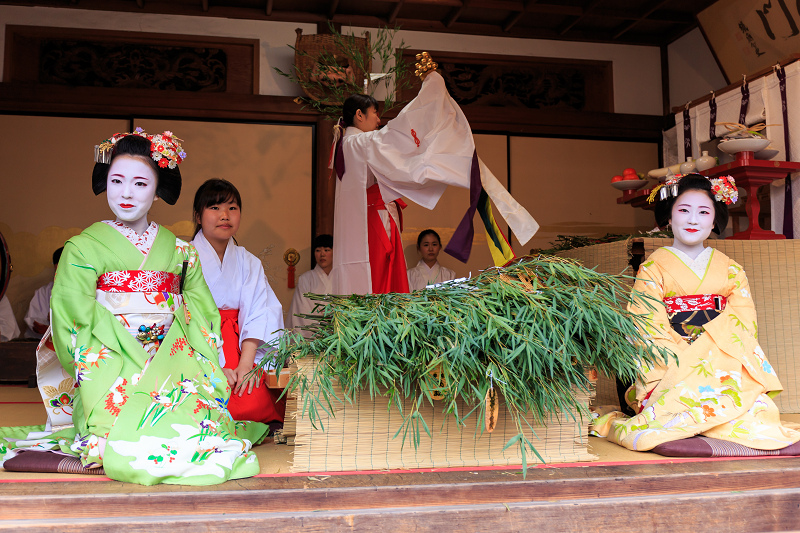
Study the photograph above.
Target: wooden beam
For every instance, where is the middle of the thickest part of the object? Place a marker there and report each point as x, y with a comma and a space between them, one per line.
514, 17
639, 19
396, 11
268, 8
580, 17
454, 14
332, 10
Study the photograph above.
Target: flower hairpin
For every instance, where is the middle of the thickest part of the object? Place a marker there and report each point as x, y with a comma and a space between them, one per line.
724, 189
165, 148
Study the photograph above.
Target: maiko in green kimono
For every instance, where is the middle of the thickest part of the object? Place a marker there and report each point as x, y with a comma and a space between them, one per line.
133, 385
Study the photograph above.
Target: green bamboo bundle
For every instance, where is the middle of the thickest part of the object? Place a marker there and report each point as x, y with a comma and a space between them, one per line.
528, 330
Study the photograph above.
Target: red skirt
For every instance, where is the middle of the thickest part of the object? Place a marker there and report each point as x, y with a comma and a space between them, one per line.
261, 405
386, 259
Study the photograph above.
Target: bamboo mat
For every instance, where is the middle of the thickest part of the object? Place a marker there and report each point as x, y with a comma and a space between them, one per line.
609, 258
277, 459
361, 436
773, 270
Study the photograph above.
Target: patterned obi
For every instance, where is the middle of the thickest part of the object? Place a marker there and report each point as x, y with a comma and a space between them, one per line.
139, 281
687, 314
144, 302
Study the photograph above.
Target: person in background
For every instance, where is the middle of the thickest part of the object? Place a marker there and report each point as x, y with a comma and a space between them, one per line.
428, 271
38, 316
9, 329
315, 281
251, 313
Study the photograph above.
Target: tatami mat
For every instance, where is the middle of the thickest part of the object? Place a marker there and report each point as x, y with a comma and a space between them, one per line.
22, 406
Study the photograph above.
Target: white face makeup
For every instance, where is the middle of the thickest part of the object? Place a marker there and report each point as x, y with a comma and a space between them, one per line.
131, 191
692, 221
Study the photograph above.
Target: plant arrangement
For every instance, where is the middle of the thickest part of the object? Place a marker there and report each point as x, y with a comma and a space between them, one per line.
570, 242
528, 332
341, 65
741, 131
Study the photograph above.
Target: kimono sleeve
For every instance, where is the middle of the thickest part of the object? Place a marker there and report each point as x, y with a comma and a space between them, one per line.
198, 296
76, 319
260, 311
658, 330
735, 330
428, 146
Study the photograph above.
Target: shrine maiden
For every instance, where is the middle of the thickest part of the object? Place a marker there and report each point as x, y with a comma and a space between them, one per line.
428, 271
251, 313
427, 147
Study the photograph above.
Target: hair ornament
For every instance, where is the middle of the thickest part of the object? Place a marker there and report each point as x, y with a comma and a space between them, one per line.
165, 148
724, 189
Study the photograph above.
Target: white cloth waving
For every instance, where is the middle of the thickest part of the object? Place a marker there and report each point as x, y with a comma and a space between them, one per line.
428, 146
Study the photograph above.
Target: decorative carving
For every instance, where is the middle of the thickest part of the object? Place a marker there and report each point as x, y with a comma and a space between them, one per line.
132, 66
534, 83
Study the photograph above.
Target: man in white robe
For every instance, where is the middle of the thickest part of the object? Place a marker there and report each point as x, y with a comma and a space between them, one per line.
38, 316
9, 329
315, 281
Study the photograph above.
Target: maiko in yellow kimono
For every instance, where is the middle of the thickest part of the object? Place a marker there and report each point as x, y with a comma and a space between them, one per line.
722, 385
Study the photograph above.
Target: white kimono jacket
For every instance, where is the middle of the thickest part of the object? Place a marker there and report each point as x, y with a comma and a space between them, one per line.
238, 282
9, 329
315, 281
427, 147
422, 275
39, 310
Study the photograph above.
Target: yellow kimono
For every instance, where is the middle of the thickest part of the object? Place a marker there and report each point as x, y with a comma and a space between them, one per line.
723, 384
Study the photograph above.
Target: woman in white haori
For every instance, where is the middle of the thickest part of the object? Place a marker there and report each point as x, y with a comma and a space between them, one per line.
315, 281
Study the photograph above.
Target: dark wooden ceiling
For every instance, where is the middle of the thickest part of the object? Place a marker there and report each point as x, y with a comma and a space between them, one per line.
643, 22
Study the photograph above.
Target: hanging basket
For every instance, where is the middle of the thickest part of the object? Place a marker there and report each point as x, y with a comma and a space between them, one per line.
343, 79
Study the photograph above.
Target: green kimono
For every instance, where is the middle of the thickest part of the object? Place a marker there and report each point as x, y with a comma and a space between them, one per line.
161, 414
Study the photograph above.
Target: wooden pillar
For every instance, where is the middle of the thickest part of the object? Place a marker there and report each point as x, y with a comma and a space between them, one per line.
324, 184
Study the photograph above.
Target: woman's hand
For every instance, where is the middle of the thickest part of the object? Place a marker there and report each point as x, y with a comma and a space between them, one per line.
243, 381
230, 375
246, 362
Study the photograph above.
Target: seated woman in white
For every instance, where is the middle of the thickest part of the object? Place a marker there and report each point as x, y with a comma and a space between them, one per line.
428, 271
38, 316
315, 281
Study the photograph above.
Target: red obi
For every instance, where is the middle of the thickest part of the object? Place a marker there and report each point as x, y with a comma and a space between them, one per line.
139, 281
694, 302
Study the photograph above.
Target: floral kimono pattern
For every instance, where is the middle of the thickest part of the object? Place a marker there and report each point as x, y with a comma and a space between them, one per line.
160, 409
723, 383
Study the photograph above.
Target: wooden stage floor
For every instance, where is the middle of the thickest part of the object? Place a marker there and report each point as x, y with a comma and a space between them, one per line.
624, 491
